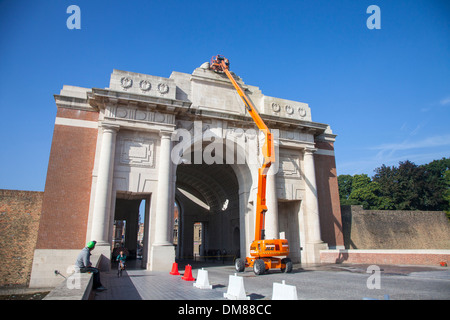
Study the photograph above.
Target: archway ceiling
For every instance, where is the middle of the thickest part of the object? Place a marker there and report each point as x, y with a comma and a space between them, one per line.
213, 184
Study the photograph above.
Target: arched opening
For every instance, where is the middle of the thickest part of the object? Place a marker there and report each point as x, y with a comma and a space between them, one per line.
209, 198
213, 187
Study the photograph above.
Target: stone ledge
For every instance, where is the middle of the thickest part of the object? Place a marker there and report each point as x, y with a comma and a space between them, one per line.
82, 291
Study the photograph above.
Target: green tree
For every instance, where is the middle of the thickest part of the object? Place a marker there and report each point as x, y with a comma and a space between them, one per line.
387, 180
406, 187
435, 185
403, 186
413, 187
345, 188
364, 192
409, 180
447, 192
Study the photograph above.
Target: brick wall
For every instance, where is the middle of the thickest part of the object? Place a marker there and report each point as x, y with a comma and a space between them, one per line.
20, 212
65, 207
394, 229
328, 196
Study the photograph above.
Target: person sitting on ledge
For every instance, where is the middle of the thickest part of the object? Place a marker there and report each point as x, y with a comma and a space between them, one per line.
83, 265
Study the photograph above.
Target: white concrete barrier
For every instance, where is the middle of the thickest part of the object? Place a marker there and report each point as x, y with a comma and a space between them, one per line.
236, 290
282, 291
202, 280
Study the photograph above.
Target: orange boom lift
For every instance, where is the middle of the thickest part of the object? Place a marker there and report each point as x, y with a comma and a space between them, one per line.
265, 253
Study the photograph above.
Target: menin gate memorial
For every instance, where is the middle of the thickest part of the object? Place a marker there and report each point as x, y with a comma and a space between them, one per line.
184, 139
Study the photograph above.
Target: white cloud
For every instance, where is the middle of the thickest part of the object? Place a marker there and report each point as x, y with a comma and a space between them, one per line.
418, 151
369, 164
445, 101
430, 142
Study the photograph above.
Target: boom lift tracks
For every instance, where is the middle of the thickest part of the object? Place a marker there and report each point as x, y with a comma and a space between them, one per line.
265, 254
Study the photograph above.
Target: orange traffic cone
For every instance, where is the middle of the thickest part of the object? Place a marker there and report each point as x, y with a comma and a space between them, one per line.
175, 269
188, 274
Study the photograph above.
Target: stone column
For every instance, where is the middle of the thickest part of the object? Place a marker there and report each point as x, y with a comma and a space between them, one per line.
271, 223
163, 194
314, 242
311, 201
101, 212
102, 201
162, 253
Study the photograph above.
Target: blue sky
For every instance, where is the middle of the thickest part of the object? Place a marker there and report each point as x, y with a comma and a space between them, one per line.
385, 93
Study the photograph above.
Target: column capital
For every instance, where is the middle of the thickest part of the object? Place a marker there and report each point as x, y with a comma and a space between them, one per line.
111, 127
165, 133
310, 150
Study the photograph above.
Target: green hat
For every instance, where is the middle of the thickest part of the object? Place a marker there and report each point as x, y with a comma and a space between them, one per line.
91, 244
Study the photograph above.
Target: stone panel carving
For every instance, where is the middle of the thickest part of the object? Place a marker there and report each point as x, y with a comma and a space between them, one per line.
289, 109
163, 88
141, 115
289, 192
276, 107
289, 166
126, 82
286, 108
302, 112
143, 84
135, 114
137, 152
121, 112
296, 135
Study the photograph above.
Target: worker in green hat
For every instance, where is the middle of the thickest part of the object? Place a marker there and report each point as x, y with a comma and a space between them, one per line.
91, 244
83, 265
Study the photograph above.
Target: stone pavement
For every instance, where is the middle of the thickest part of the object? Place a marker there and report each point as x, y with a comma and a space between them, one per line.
331, 282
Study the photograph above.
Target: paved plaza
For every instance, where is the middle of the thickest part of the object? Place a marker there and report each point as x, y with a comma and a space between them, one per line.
313, 282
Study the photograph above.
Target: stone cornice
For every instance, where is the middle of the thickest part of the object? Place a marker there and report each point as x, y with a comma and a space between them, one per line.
99, 98
272, 122
76, 103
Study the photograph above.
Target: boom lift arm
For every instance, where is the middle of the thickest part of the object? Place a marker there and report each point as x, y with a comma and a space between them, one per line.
219, 63
266, 254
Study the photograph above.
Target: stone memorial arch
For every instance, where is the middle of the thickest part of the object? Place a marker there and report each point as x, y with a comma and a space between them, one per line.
186, 138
